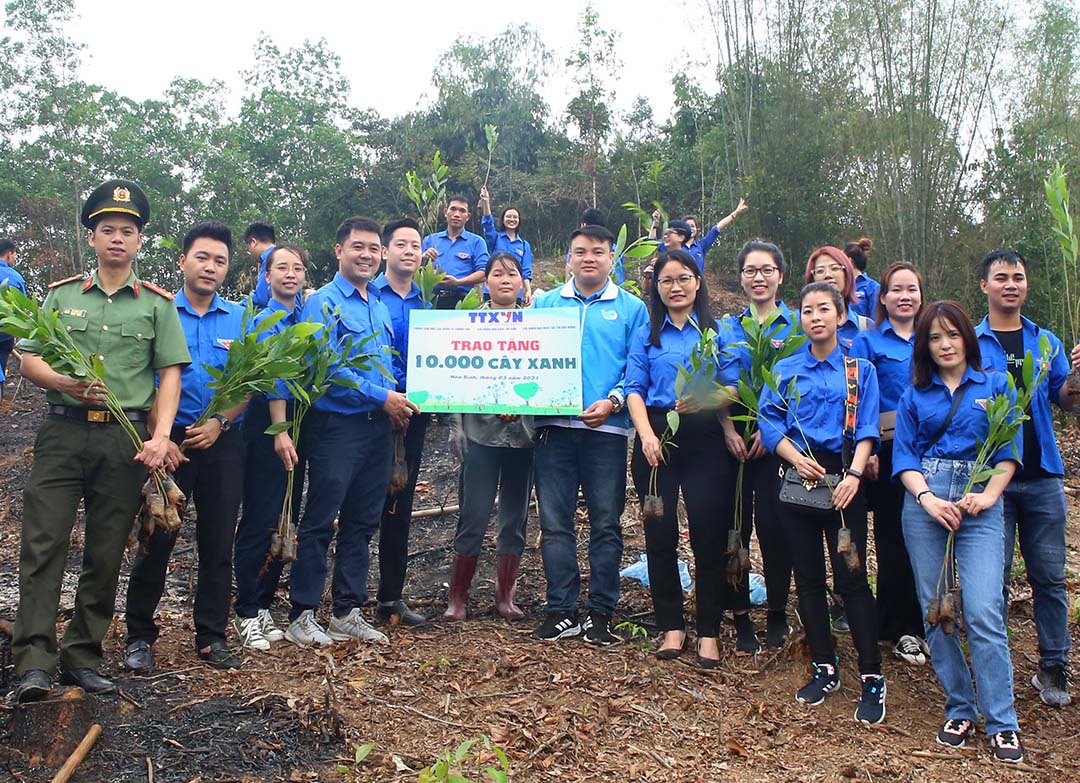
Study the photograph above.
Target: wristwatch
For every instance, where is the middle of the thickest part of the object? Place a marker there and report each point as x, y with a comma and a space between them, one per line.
224, 422
616, 403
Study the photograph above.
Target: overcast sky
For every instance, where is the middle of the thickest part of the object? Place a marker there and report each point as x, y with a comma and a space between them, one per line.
388, 49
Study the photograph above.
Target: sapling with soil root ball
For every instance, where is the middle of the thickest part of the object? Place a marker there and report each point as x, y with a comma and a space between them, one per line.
1005, 419
765, 345
41, 329
324, 360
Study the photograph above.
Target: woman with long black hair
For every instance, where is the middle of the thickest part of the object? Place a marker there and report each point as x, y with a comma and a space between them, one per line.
888, 346
679, 314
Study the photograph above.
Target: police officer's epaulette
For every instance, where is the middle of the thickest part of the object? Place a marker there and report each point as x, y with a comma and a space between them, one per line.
71, 279
158, 290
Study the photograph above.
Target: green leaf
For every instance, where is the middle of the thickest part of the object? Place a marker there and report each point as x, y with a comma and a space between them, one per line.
274, 429
673, 422
362, 752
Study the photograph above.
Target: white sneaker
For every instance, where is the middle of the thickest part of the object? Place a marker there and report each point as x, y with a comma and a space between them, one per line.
269, 627
304, 631
910, 651
250, 633
353, 626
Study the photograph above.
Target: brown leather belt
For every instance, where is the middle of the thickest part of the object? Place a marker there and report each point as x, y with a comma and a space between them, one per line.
92, 415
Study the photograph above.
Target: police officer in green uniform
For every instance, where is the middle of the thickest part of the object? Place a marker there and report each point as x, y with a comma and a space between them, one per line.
82, 453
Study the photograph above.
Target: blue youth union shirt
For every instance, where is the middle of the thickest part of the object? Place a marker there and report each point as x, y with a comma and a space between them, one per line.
459, 257
357, 318
922, 411
651, 371
208, 339
399, 310
891, 355
819, 412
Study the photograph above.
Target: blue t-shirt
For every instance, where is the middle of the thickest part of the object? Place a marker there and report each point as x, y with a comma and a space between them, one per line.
869, 291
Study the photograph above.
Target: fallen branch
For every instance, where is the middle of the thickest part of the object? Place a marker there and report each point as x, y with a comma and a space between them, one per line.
415, 711
930, 754
65, 772
436, 511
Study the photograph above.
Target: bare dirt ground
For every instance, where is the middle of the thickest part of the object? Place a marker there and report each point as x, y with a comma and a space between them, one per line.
563, 711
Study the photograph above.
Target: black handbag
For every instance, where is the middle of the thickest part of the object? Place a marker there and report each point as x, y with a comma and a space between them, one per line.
797, 491
817, 495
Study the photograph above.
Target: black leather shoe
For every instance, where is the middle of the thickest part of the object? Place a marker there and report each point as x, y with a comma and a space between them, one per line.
34, 685
405, 615
139, 657
89, 680
220, 656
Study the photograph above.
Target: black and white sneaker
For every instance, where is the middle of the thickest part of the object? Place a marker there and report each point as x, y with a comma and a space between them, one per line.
597, 630
826, 680
956, 733
558, 626
1006, 746
909, 650
871, 707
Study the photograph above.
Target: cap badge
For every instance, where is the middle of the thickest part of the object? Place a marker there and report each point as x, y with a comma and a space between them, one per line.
121, 194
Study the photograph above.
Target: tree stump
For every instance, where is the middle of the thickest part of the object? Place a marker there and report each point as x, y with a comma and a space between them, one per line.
48, 731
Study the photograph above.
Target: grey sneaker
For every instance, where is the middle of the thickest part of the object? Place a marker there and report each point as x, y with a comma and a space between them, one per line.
353, 626
305, 631
250, 632
1053, 685
269, 627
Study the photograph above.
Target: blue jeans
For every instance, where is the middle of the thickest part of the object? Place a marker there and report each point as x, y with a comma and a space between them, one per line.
1036, 508
566, 459
348, 461
979, 563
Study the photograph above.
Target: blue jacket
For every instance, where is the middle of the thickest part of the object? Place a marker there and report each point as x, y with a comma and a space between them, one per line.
358, 319
922, 411
816, 420
609, 321
1042, 418
869, 290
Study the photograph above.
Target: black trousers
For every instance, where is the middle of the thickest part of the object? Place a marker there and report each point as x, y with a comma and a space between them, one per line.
397, 517
805, 528
692, 466
257, 574
447, 298
213, 479
897, 604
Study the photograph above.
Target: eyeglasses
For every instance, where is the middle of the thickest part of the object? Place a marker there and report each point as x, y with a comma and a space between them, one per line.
750, 272
821, 271
682, 280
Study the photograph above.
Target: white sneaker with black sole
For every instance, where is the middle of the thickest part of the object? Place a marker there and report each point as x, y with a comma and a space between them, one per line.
305, 631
